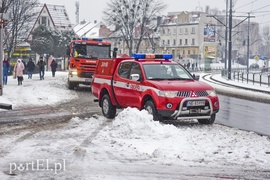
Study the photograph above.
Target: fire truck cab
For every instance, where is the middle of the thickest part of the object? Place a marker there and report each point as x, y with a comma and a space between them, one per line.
83, 55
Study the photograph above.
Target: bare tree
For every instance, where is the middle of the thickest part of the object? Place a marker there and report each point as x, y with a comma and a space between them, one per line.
131, 18
265, 41
21, 14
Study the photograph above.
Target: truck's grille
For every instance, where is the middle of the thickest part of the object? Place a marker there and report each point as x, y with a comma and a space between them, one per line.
85, 74
188, 93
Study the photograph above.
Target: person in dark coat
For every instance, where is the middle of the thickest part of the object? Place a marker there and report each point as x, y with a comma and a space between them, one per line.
41, 66
6, 69
30, 68
53, 66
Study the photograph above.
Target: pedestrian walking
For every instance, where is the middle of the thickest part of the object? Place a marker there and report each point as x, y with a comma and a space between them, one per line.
41, 66
30, 68
6, 70
53, 66
24, 71
18, 69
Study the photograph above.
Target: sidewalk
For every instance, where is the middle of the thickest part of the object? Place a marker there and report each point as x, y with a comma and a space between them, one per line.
250, 84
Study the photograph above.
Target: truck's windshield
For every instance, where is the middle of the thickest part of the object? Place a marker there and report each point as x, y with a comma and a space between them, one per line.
165, 72
92, 51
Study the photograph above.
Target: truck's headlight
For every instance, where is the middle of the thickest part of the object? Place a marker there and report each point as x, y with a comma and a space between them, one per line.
74, 72
211, 93
169, 94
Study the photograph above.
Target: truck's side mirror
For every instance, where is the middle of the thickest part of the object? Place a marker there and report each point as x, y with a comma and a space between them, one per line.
196, 77
135, 77
115, 52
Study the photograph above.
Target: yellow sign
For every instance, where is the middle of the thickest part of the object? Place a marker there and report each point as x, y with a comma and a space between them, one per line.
256, 58
210, 51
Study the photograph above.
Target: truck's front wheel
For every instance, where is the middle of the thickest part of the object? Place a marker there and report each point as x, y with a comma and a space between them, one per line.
150, 107
71, 85
108, 109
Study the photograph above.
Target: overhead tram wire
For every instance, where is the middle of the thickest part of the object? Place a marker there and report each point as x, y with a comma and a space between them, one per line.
246, 4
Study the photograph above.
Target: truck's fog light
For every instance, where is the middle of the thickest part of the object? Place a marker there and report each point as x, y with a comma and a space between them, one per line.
169, 105
206, 107
184, 108
216, 104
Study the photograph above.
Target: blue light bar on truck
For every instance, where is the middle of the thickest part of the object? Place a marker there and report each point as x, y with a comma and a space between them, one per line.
94, 39
152, 56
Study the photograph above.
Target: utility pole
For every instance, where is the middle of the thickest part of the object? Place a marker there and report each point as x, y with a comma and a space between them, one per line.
226, 35
1, 59
248, 43
230, 42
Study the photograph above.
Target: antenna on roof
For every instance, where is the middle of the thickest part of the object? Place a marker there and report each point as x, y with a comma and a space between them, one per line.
77, 11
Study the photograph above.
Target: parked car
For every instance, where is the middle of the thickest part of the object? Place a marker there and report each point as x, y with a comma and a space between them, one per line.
254, 66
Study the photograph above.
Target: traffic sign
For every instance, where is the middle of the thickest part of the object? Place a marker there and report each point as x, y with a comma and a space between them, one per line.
256, 58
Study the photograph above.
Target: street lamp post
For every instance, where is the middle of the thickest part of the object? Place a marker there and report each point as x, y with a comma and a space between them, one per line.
3, 19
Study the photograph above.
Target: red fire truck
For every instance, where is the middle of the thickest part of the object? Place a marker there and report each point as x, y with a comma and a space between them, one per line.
152, 82
83, 55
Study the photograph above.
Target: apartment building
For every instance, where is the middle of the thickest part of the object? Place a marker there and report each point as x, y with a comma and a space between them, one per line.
186, 35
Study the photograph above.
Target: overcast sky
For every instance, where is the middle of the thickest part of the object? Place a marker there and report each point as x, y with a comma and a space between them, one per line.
91, 10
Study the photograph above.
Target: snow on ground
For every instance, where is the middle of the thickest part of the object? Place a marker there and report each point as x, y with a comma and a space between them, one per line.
131, 137
51, 90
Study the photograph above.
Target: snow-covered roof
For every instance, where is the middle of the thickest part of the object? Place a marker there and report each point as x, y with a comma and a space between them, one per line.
59, 16
88, 29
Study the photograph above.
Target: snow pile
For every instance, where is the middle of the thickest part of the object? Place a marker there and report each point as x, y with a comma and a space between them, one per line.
133, 130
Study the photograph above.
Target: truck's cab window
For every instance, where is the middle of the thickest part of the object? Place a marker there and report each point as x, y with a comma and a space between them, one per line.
124, 69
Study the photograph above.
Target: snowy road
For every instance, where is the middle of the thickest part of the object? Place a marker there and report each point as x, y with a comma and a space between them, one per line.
125, 148
78, 143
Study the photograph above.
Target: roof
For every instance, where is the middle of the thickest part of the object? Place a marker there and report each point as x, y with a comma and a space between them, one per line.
59, 16
88, 29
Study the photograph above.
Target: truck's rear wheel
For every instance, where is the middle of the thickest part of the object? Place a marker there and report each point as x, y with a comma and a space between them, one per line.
108, 109
151, 108
211, 120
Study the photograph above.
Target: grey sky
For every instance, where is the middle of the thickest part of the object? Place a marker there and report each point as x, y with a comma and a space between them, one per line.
91, 10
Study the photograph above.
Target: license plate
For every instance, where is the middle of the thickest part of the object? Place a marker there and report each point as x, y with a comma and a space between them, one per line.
195, 103
87, 80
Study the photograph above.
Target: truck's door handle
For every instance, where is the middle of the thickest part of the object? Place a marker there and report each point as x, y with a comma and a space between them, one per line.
114, 82
127, 84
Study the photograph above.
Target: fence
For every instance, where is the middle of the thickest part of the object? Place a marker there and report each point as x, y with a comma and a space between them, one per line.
252, 76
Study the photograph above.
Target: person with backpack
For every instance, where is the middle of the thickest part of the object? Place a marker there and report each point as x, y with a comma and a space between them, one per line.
30, 68
41, 66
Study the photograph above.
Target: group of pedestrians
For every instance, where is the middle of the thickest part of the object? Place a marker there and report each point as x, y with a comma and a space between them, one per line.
20, 67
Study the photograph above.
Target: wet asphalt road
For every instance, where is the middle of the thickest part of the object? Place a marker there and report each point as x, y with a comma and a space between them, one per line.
244, 114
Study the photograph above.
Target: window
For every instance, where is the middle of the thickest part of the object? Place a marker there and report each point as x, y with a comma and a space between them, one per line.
188, 52
124, 69
174, 42
193, 30
168, 42
43, 20
180, 31
186, 41
135, 69
163, 31
193, 41
180, 42
186, 30
174, 31
163, 42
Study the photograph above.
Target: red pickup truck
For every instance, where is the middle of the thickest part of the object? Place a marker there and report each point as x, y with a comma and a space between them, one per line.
152, 82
